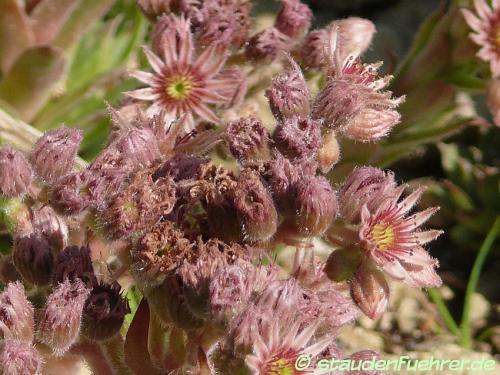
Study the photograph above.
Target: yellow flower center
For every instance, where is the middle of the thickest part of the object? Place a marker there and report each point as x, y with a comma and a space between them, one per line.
280, 367
383, 234
180, 87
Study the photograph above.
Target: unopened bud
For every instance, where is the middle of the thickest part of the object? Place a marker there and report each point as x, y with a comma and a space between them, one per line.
54, 154
316, 204
266, 44
19, 357
247, 139
16, 174
59, 323
294, 18
104, 312
371, 124
313, 50
369, 290
155, 8
354, 35
493, 100
329, 153
298, 137
139, 146
16, 314
342, 263
74, 263
255, 208
69, 195
34, 258
52, 226
289, 95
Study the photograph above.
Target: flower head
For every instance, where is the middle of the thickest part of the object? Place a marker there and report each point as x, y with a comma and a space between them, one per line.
34, 258
16, 174
298, 137
74, 263
485, 23
393, 240
266, 44
16, 314
294, 18
247, 138
59, 323
51, 225
181, 84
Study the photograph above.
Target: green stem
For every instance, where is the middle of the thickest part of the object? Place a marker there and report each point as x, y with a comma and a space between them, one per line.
473, 281
445, 314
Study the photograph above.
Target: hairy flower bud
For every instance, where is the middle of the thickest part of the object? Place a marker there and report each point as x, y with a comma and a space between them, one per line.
354, 35
247, 139
369, 290
59, 323
54, 154
364, 186
255, 208
69, 195
280, 174
104, 312
294, 18
316, 204
139, 146
16, 314
372, 124
19, 357
74, 263
34, 258
16, 174
289, 94
313, 50
329, 153
52, 226
298, 137
138, 206
266, 44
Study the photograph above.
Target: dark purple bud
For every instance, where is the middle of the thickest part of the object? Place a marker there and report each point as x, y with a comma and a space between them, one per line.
16, 174
180, 167
74, 263
69, 195
294, 18
47, 222
289, 94
104, 312
247, 139
266, 44
34, 258
298, 137
255, 208
316, 205
280, 174
53, 156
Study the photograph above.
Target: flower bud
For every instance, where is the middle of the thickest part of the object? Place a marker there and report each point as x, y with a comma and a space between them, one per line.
59, 323
247, 139
329, 153
52, 226
369, 290
139, 146
16, 314
255, 208
372, 124
54, 154
69, 195
104, 312
34, 258
74, 263
298, 137
19, 357
342, 263
493, 100
280, 174
294, 18
16, 174
266, 44
364, 185
313, 50
289, 94
354, 35
155, 8
316, 205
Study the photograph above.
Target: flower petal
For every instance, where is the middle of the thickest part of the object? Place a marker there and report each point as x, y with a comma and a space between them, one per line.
154, 60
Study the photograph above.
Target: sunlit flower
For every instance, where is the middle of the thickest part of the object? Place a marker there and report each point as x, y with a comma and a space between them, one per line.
485, 23
181, 83
394, 242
